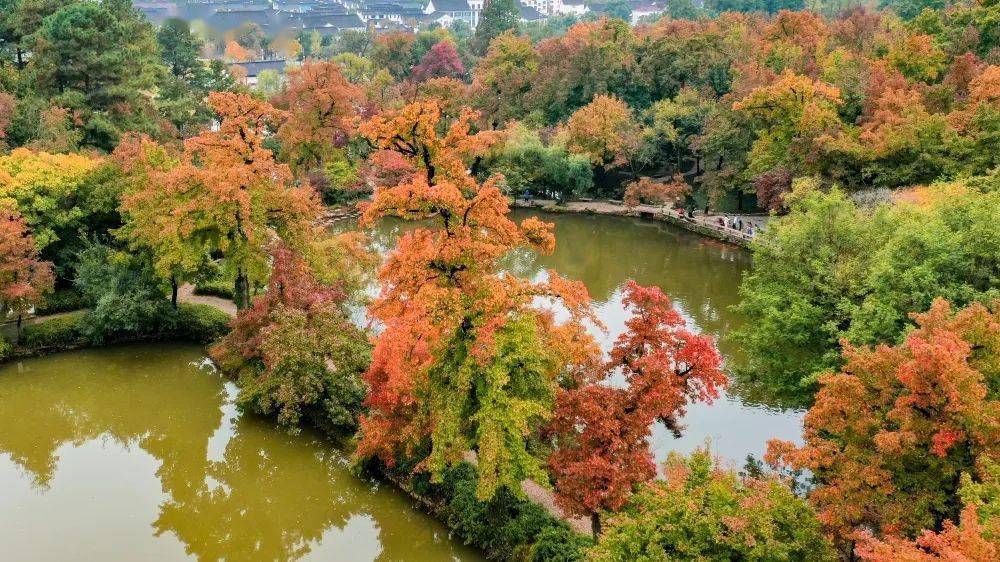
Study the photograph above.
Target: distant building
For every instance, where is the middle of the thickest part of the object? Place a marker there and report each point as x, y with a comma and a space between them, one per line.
157, 11
254, 68
529, 13
446, 12
228, 19
569, 7
645, 9
325, 21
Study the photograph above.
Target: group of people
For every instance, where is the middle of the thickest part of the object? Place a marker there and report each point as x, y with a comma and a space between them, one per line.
736, 223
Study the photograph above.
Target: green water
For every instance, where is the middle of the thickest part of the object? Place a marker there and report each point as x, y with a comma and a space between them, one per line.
138, 454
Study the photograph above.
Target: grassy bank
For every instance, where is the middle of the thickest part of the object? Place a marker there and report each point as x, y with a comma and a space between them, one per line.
196, 323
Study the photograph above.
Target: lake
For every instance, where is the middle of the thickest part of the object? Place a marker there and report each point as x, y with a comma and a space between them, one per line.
138, 452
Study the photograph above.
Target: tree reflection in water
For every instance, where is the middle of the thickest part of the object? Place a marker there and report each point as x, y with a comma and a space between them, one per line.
233, 487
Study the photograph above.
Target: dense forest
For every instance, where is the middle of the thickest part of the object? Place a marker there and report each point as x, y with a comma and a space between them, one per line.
136, 160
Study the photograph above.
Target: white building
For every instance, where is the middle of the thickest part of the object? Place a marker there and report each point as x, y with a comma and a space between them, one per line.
451, 10
569, 7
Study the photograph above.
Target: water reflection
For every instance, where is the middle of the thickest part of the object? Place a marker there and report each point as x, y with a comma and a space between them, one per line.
699, 274
138, 453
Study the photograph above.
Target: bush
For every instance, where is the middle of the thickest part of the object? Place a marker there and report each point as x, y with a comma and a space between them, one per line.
62, 331
129, 303
504, 527
5, 348
560, 544
200, 323
63, 300
222, 288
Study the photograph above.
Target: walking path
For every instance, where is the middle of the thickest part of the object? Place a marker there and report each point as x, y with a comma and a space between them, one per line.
186, 294
701, 223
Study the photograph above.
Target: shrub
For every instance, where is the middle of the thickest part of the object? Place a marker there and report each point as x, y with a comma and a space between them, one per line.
200, 323
129, 303
559, 543
297, 352
5, 348
63, 300
504, 527
702, 512
61, 331
217, 287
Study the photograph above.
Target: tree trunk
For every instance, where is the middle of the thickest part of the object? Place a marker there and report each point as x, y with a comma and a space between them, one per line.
241, 291
17, 332
595, 524
173, 292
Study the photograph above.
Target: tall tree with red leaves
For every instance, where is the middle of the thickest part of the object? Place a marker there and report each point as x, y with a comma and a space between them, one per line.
601, 432
441, 61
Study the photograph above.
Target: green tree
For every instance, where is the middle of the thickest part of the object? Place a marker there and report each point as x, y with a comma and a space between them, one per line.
909, 9
682, 9
526, 163
497, 17
620, 9
829, 271
99, 61
946, 248
702, 512
129, 301
19, 19
179, 48
66, 199
808, 276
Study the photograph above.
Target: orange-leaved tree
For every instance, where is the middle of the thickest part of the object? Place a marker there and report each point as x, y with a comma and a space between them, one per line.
145, 165
228, 195
24, 279
892, 433
656, 192
601, 432
464, 361
321, 106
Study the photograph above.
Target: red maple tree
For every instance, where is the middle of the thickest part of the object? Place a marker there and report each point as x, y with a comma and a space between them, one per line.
601, 432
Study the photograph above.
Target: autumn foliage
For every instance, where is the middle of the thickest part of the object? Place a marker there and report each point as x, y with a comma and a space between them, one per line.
24, 279
295, 350
891, 434
656, 192
451, 321
962, 542
321, 106
441, 61
601, 432
228, 194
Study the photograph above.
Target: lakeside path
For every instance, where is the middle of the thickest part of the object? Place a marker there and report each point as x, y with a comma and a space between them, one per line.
706, 225
186, 294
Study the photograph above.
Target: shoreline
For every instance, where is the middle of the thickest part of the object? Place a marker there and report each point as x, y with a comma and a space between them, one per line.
698, 225
436, 507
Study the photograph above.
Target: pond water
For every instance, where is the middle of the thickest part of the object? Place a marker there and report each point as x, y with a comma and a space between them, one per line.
699, 274
137, 453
